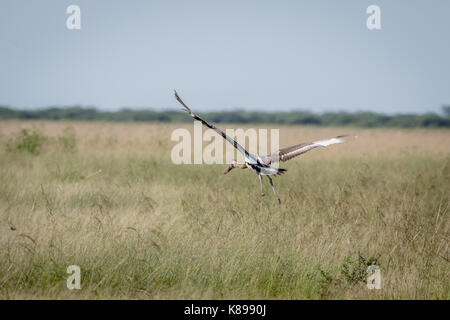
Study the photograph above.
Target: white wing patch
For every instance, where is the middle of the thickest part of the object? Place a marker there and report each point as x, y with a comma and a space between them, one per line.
325, 143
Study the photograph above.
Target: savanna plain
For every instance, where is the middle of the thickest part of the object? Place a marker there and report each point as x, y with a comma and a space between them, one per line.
108, 198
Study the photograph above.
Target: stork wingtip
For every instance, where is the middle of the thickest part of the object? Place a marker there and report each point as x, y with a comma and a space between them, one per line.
347, 137
178, 97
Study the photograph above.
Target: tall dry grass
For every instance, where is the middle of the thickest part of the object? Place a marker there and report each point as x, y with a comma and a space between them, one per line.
107, 197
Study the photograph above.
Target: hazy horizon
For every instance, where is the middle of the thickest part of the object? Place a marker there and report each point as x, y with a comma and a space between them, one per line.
266, 56
439, 111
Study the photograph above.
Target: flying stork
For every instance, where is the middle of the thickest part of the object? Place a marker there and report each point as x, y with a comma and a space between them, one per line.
260, 165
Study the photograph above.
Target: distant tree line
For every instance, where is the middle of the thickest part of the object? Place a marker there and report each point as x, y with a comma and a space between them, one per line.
360, 119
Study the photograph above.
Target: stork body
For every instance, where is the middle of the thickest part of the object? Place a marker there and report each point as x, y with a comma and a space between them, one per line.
260, 165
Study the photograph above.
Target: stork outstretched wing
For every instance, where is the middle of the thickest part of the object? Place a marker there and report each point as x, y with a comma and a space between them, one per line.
288, 153
209, 125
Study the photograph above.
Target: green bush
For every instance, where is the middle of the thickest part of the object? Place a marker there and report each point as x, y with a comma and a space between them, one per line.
27, 141
354, 270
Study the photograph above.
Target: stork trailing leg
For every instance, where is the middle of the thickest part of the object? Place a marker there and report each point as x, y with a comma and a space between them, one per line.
273, 188
260, 183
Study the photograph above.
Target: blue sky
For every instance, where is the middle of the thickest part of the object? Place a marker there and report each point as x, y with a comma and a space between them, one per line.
221, 55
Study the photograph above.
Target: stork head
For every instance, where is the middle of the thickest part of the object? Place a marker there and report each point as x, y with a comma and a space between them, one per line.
232, 165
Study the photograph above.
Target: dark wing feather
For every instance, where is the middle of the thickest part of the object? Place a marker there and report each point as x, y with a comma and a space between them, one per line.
223, 134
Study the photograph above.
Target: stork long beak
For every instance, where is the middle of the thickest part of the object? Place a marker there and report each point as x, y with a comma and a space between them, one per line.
230, 167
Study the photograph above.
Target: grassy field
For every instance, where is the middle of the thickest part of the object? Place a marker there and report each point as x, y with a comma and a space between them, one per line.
106, 197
